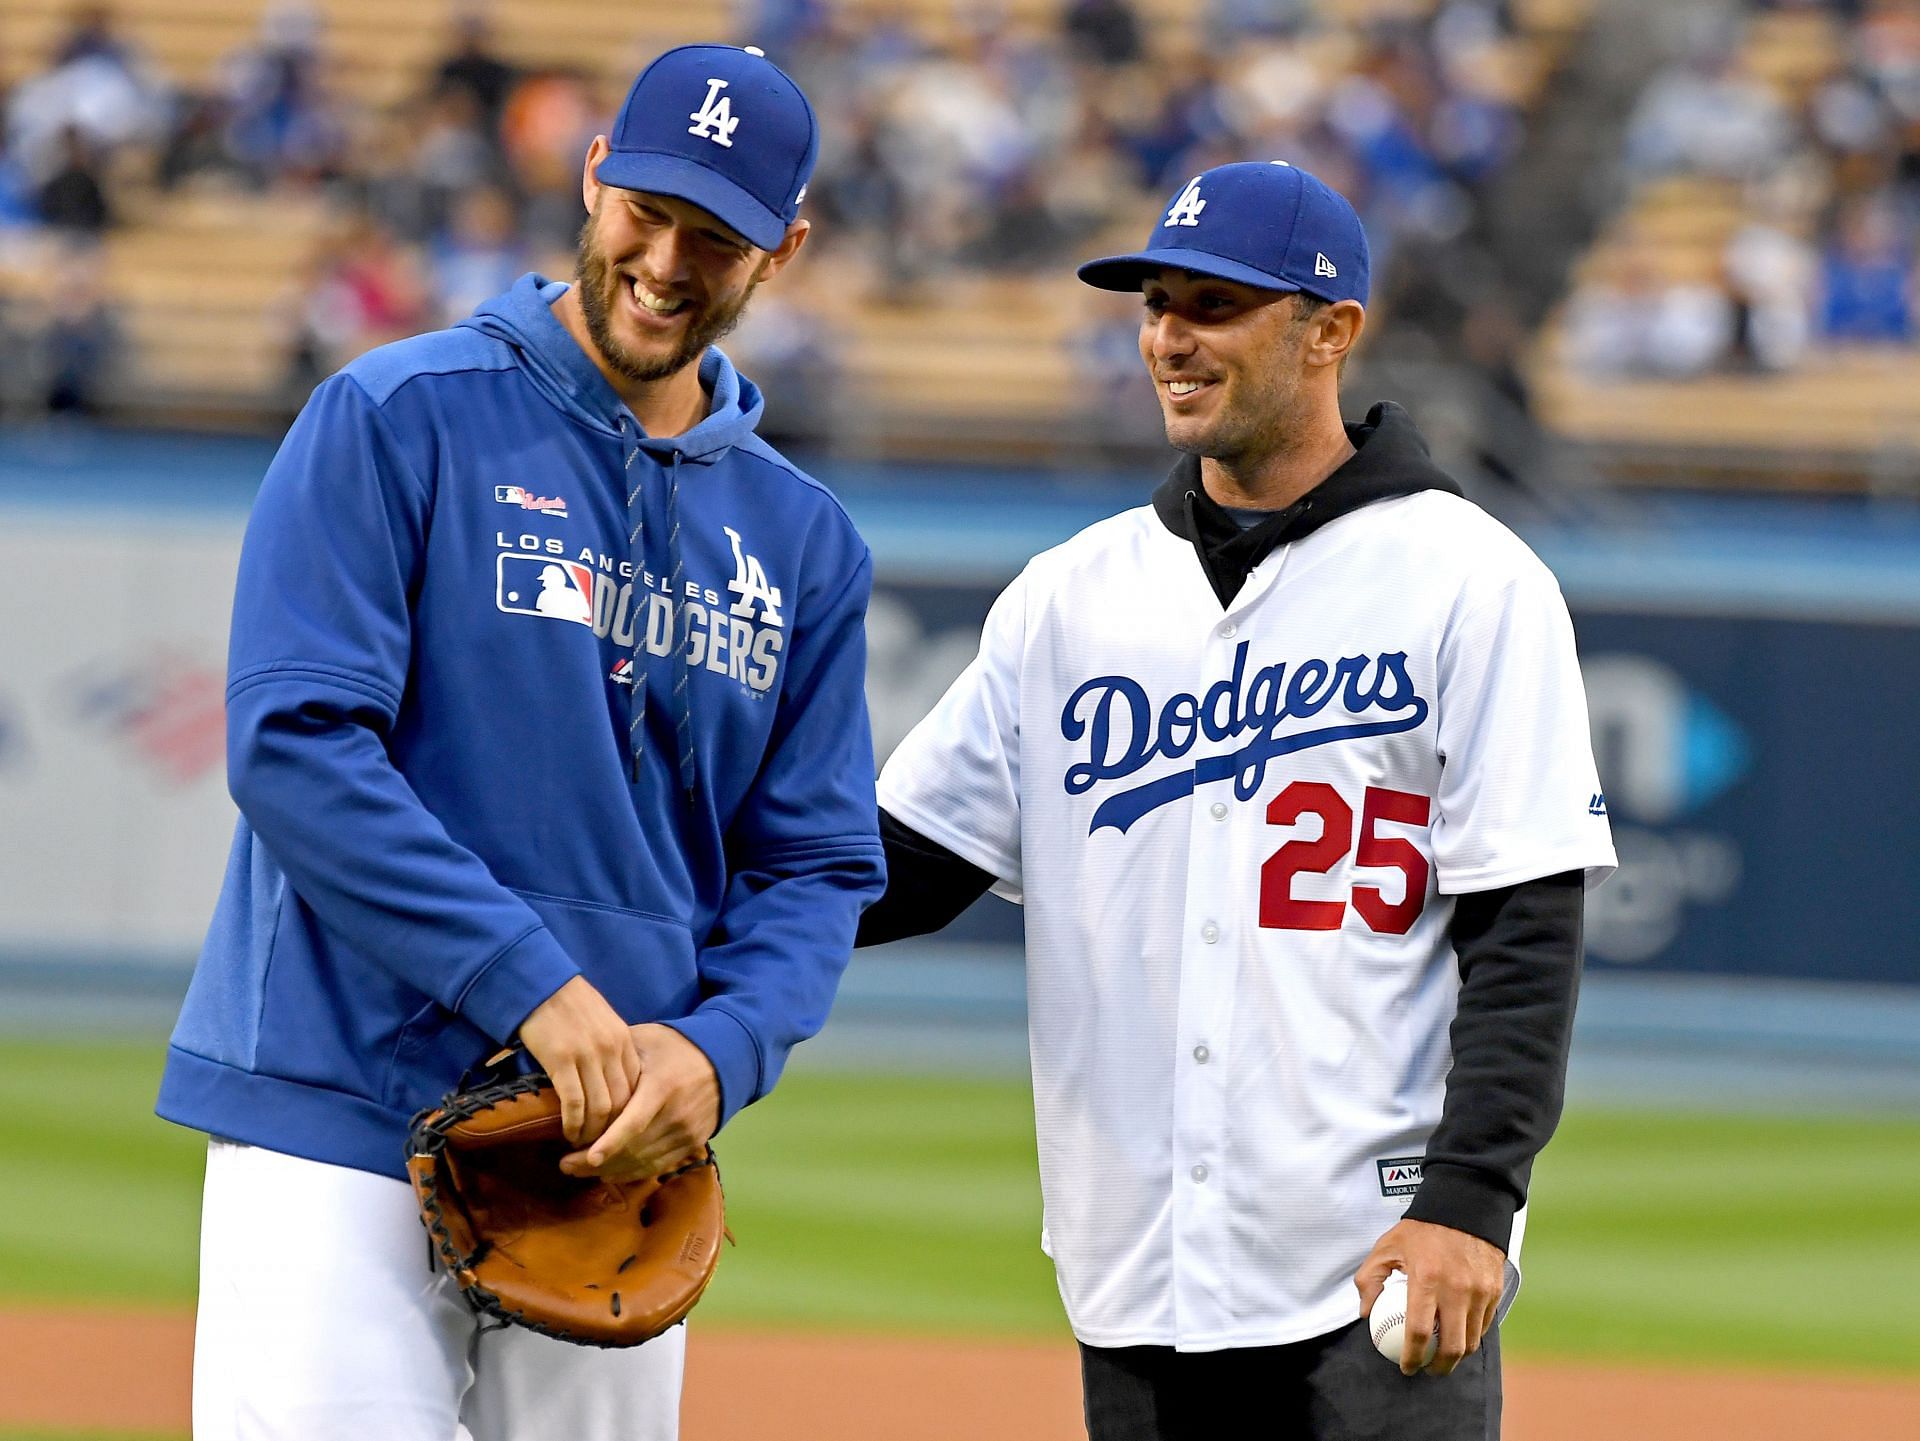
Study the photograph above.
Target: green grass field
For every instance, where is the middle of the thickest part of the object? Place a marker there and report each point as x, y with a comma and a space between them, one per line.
885, 1204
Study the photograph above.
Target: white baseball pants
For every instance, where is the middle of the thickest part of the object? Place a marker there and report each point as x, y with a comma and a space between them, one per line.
321, 1321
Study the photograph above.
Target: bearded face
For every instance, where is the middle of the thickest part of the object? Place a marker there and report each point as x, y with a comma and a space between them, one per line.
660, 280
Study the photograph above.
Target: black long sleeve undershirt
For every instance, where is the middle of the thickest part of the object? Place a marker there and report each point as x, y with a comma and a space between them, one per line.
928, 886
1519, 949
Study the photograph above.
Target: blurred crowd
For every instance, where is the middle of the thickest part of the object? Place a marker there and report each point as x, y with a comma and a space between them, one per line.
996, 150
1823, 170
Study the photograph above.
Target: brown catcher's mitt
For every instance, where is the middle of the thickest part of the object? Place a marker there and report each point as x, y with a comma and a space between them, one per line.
603, 1263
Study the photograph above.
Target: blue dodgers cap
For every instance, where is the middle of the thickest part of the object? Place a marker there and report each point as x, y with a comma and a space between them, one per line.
722, 128
1260, 222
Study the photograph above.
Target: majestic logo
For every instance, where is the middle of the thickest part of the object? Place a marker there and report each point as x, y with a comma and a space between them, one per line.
1663, 748
1400, 1175
1324, 266
1186, 210
1598, 805
715, 119
518, 495
1114, 716
538, 585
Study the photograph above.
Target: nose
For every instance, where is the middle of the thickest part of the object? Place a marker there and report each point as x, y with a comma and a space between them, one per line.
1166, 338
668, 255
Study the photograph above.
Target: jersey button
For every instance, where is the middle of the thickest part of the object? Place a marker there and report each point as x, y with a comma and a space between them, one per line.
1202, 1054
1209, 933
1218, 810
1229, 630
1199, 1173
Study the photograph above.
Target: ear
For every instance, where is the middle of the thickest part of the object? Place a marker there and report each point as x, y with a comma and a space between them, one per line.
788, 247
590, 186
1334, 332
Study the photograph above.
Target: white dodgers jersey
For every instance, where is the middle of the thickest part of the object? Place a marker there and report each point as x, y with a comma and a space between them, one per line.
1238, 835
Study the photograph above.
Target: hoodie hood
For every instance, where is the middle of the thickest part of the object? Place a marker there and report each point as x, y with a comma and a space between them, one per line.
523, 317
1389, 459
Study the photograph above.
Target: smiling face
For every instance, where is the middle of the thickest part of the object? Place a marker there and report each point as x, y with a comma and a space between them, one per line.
659, 279
1230, 363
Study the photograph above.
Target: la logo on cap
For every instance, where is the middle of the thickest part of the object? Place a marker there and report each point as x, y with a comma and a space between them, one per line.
1186, 210
715, 119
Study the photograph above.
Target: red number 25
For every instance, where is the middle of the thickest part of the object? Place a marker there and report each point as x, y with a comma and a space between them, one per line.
1280, 910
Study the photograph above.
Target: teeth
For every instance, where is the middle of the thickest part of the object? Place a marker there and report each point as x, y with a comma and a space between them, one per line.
1182, 387
653, 302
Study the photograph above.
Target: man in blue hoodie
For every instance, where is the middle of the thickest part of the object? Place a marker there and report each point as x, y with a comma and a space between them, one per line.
545, 722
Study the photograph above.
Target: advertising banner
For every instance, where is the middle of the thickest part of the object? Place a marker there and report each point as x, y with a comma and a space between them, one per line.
1759, 769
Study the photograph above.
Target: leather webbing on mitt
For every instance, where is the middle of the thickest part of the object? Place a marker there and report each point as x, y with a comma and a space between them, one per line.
602, 1263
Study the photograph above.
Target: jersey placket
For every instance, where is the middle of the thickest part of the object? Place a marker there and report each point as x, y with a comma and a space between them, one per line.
1220, 904
1209, 972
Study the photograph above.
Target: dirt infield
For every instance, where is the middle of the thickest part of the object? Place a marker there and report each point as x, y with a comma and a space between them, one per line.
128, 1370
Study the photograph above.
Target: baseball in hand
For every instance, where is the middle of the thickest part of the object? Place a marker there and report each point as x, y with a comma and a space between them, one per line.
1387, 1321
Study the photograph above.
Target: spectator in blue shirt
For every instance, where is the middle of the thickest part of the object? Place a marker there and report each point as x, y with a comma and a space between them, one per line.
1867, 278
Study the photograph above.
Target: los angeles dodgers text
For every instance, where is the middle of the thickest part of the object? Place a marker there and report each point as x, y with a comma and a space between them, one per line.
1115, 716
724, 643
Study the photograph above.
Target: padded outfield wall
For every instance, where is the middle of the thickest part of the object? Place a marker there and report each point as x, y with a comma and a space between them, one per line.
1753, 670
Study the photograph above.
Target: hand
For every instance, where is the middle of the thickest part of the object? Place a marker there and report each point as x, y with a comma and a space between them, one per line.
588, 1051
1453, 1289
673, 1114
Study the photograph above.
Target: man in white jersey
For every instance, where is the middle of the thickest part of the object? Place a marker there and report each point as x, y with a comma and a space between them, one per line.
1291, 771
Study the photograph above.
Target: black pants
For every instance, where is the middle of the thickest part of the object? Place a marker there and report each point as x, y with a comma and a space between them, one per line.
1333, 1388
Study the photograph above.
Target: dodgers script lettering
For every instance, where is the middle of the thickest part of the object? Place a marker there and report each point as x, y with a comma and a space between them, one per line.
1123, 733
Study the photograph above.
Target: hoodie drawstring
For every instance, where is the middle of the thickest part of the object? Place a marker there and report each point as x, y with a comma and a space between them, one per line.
678, 637
637, 664
683, 639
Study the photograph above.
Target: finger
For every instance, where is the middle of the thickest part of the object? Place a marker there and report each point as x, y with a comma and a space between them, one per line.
625, 1075
1476, 1322
1483, 1323
1420, 1325
598, 1108
627, 1127
1371, 1278
1451, 1327
566, 1084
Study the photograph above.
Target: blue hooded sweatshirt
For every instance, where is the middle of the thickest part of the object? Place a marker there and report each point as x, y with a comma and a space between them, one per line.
443, 817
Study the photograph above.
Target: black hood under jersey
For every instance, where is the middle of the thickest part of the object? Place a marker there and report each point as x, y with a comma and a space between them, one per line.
1390, 459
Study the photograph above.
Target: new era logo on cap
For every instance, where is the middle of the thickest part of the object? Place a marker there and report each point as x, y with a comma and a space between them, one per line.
1267, 224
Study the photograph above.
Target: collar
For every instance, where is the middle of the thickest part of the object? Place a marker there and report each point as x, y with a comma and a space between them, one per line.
1390, 458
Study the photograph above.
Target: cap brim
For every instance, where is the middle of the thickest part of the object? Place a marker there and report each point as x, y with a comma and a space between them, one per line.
1125, 272
694, 183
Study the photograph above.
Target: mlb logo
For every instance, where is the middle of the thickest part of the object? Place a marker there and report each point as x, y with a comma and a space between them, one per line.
524, 499
543, 586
